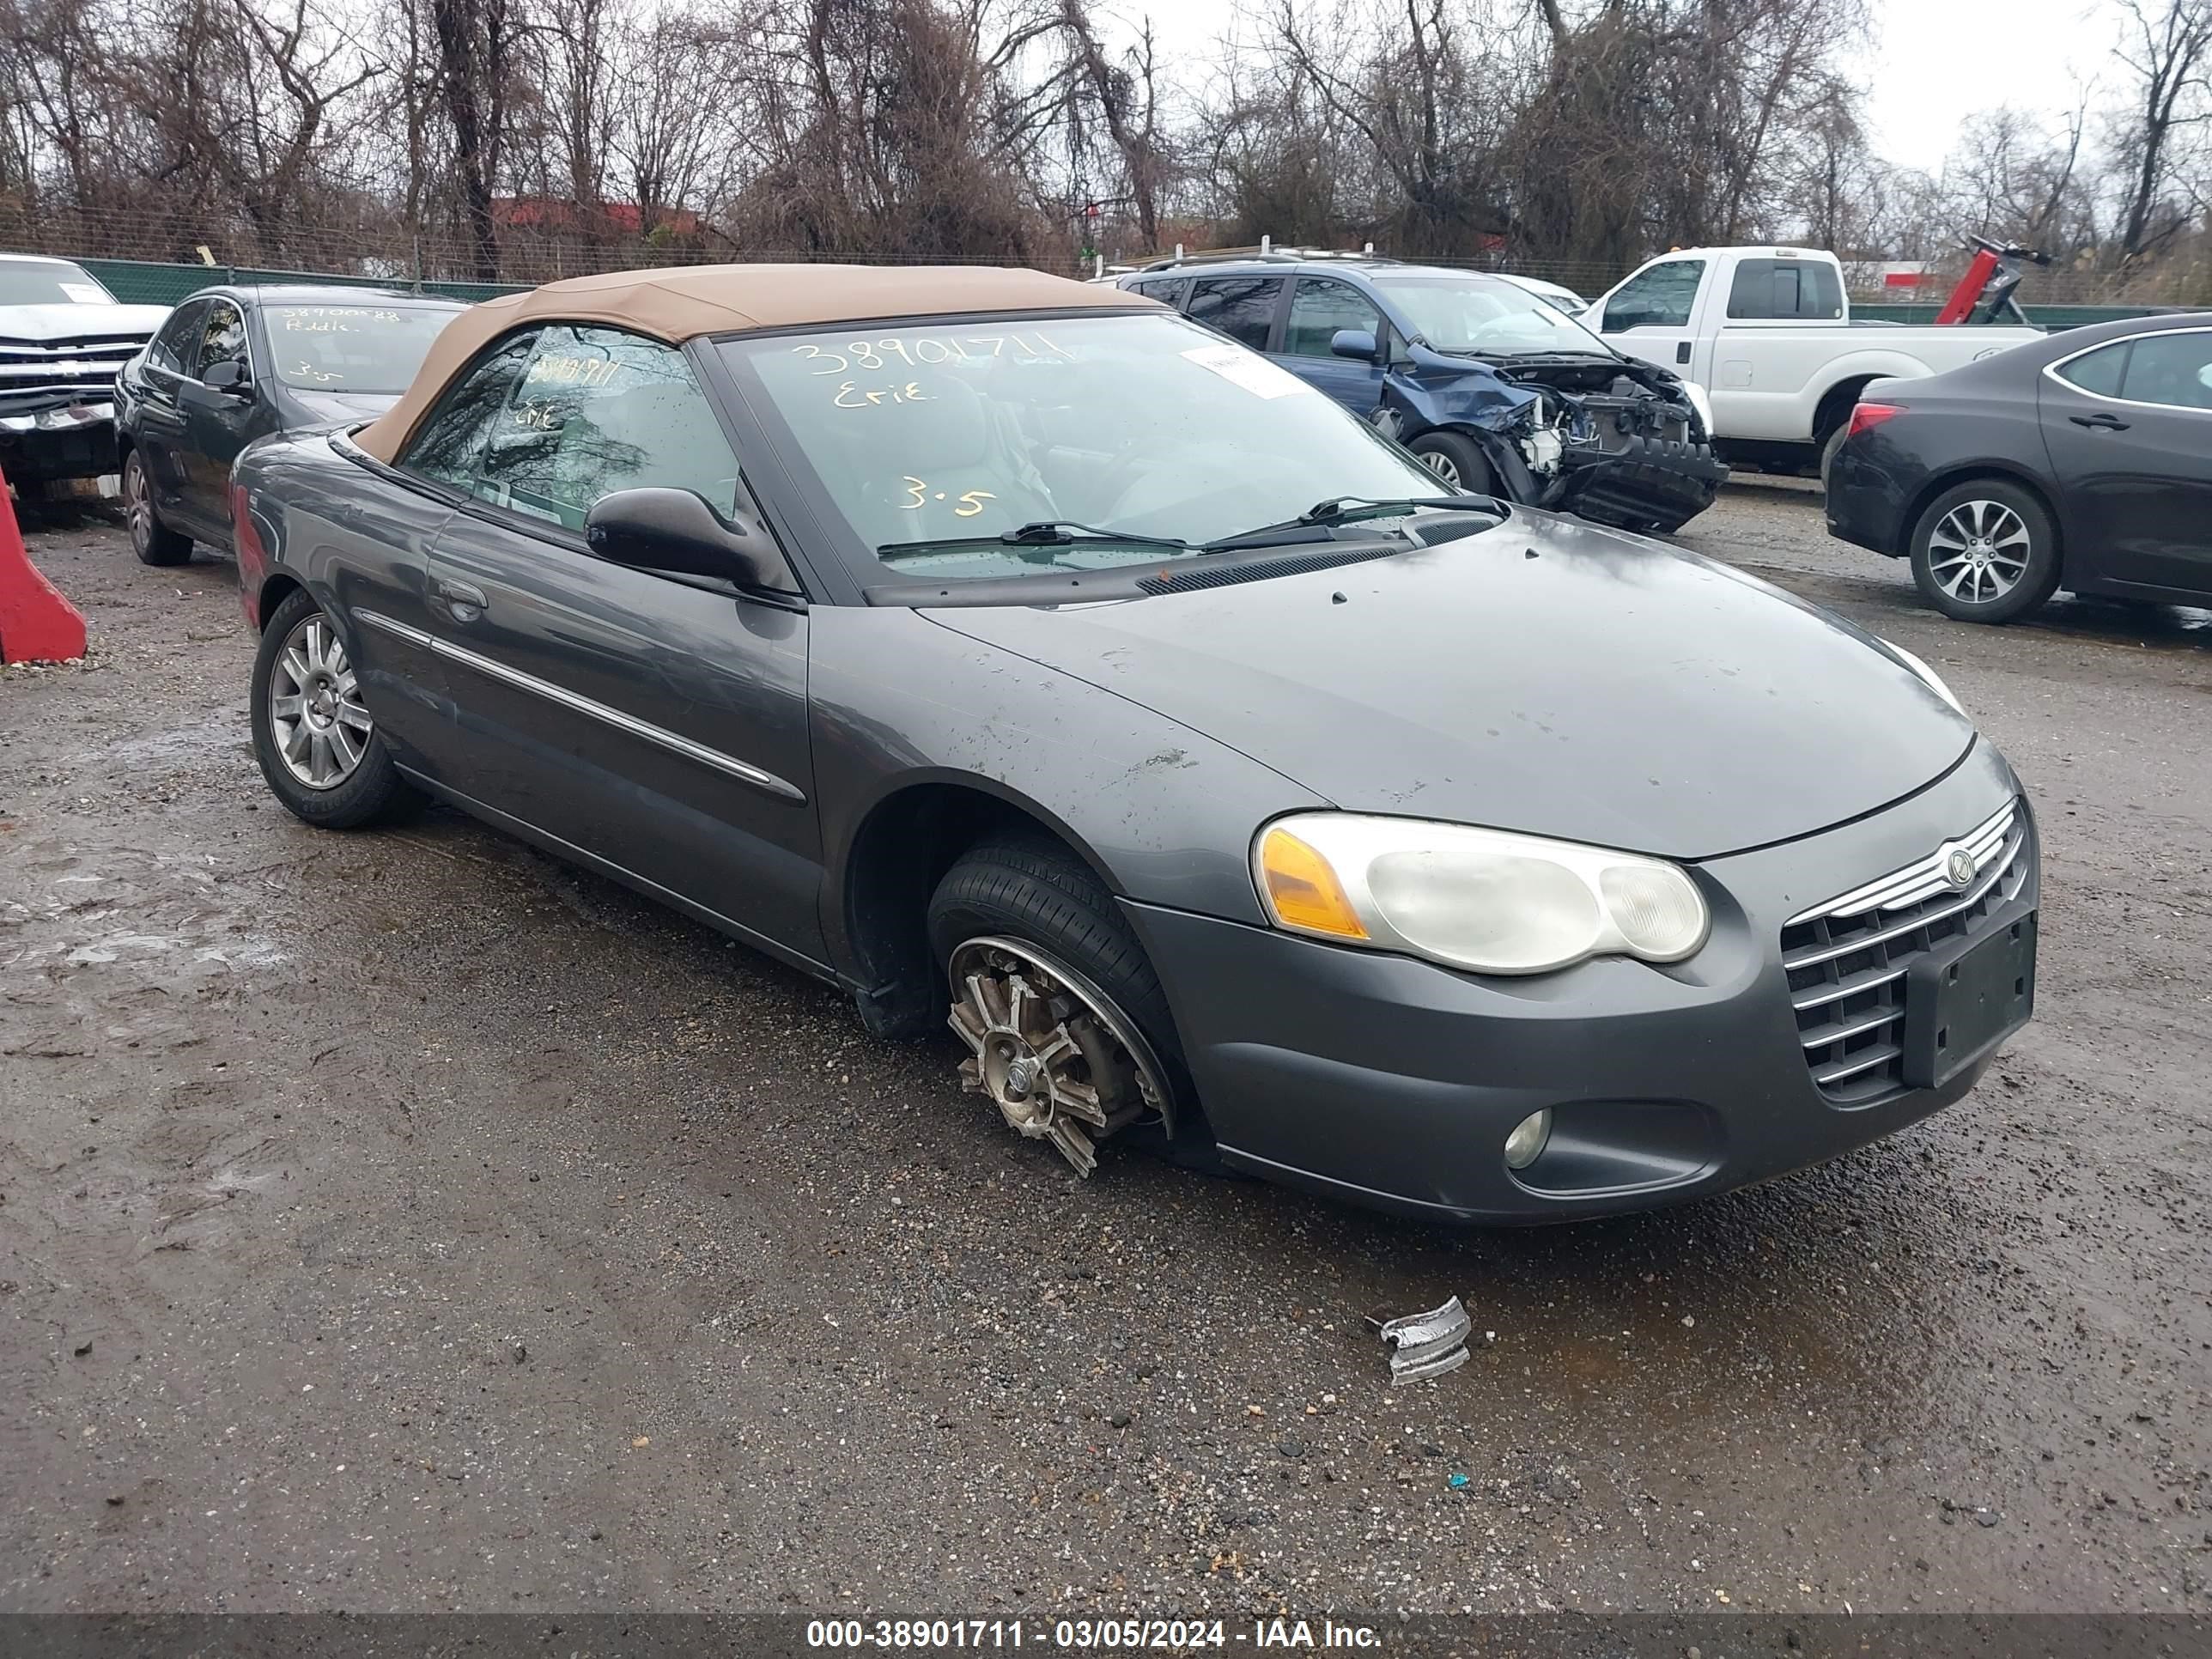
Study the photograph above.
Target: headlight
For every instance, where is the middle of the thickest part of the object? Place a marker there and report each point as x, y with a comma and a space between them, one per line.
1483, 899
1935, 681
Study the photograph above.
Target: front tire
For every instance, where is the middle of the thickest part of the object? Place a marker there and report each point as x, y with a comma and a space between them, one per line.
1067, 1027
1985, 552
1458, 462
154, 542
317, 743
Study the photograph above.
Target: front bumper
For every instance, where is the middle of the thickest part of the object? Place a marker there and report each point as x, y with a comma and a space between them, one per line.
1393, 1082
1653, 483
47, 444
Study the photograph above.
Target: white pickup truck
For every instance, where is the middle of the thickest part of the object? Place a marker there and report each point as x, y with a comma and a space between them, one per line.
1768, 333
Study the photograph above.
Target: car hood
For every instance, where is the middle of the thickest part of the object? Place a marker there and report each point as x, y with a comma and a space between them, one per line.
74, 322
334, 407
1546, 676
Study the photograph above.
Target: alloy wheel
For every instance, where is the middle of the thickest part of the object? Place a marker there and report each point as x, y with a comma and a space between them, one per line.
1441, 464
137, 504
1979, 552
315, 712
1051, 1050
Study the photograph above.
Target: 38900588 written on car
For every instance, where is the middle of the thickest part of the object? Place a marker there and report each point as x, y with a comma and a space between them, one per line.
1012, 652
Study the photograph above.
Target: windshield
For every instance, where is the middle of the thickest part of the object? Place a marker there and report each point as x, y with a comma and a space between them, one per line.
1144, 425
1483, 316
373, 349
44, 283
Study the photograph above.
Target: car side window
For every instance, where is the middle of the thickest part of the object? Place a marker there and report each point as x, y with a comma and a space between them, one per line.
1659, 297
1168, 290
1319, 307
2174, 369
1801, 290
1243, 307
596, 411
178, 338
222, 338
447, 443
2097, 371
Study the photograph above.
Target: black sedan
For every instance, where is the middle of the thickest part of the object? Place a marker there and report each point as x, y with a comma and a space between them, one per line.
1013, 653
2083, 461
234, 364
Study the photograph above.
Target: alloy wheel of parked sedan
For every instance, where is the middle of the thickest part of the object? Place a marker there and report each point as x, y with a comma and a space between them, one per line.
1985, 552
315, 713
152, 541
1979, 552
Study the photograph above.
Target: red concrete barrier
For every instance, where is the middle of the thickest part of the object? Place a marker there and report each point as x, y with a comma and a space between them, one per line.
37, 624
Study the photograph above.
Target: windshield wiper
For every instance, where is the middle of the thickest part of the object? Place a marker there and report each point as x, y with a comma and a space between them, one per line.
1341, 509
1056, 532
1042, 536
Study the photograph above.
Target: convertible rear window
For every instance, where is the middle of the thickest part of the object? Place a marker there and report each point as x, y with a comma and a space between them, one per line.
930, 442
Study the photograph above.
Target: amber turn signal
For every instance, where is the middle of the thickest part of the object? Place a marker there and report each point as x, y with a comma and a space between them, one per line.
1302, 889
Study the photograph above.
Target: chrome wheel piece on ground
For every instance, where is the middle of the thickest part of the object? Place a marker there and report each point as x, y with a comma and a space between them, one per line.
1060, 1062
1979, 552
315, 711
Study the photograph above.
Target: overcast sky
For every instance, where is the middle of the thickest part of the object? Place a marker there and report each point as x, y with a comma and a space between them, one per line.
1937, 62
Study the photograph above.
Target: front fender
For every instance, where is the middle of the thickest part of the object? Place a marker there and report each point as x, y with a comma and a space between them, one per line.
1164, 815
1476, 397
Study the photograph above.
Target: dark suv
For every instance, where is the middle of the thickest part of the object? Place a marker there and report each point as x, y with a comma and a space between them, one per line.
1495, 390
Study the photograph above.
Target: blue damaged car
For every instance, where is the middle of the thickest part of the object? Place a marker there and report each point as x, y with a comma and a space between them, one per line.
1495, 390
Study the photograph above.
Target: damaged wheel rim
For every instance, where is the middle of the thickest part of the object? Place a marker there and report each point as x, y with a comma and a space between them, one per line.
1050, 1049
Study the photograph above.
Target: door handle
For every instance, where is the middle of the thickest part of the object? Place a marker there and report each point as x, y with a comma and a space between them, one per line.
1681, 351
466, 602
2101, 420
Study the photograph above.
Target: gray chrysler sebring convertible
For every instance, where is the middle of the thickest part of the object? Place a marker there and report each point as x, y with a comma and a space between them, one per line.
1014, 654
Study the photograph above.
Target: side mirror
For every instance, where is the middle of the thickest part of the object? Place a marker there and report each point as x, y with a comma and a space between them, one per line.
674, 530
230, 376
1355, 343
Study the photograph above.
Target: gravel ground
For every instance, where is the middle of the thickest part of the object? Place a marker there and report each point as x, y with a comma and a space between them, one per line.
405, 1222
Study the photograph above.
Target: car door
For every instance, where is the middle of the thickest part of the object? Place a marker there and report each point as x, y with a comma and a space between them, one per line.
1650, 315
657, 723
218, 423
2127, 426
1319, 307
159, 431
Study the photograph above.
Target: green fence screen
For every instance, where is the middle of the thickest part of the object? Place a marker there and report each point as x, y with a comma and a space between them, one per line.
142, 282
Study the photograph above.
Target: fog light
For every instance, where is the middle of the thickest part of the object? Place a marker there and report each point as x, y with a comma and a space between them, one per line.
1526, 1141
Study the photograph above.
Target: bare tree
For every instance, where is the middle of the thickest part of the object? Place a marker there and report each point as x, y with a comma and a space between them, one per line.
2165, 48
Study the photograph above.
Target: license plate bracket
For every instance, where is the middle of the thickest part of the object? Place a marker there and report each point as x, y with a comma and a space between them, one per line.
1960, 1002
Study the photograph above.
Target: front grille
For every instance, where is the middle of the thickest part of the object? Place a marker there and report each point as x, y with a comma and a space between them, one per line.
89, 364
1847, 958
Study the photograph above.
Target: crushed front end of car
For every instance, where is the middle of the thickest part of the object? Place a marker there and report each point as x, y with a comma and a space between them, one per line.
1618, 442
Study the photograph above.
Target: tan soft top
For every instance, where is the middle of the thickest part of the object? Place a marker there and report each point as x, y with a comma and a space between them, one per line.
682, 301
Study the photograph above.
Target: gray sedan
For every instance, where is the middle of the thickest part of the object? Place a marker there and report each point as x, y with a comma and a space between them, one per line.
1013, 654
